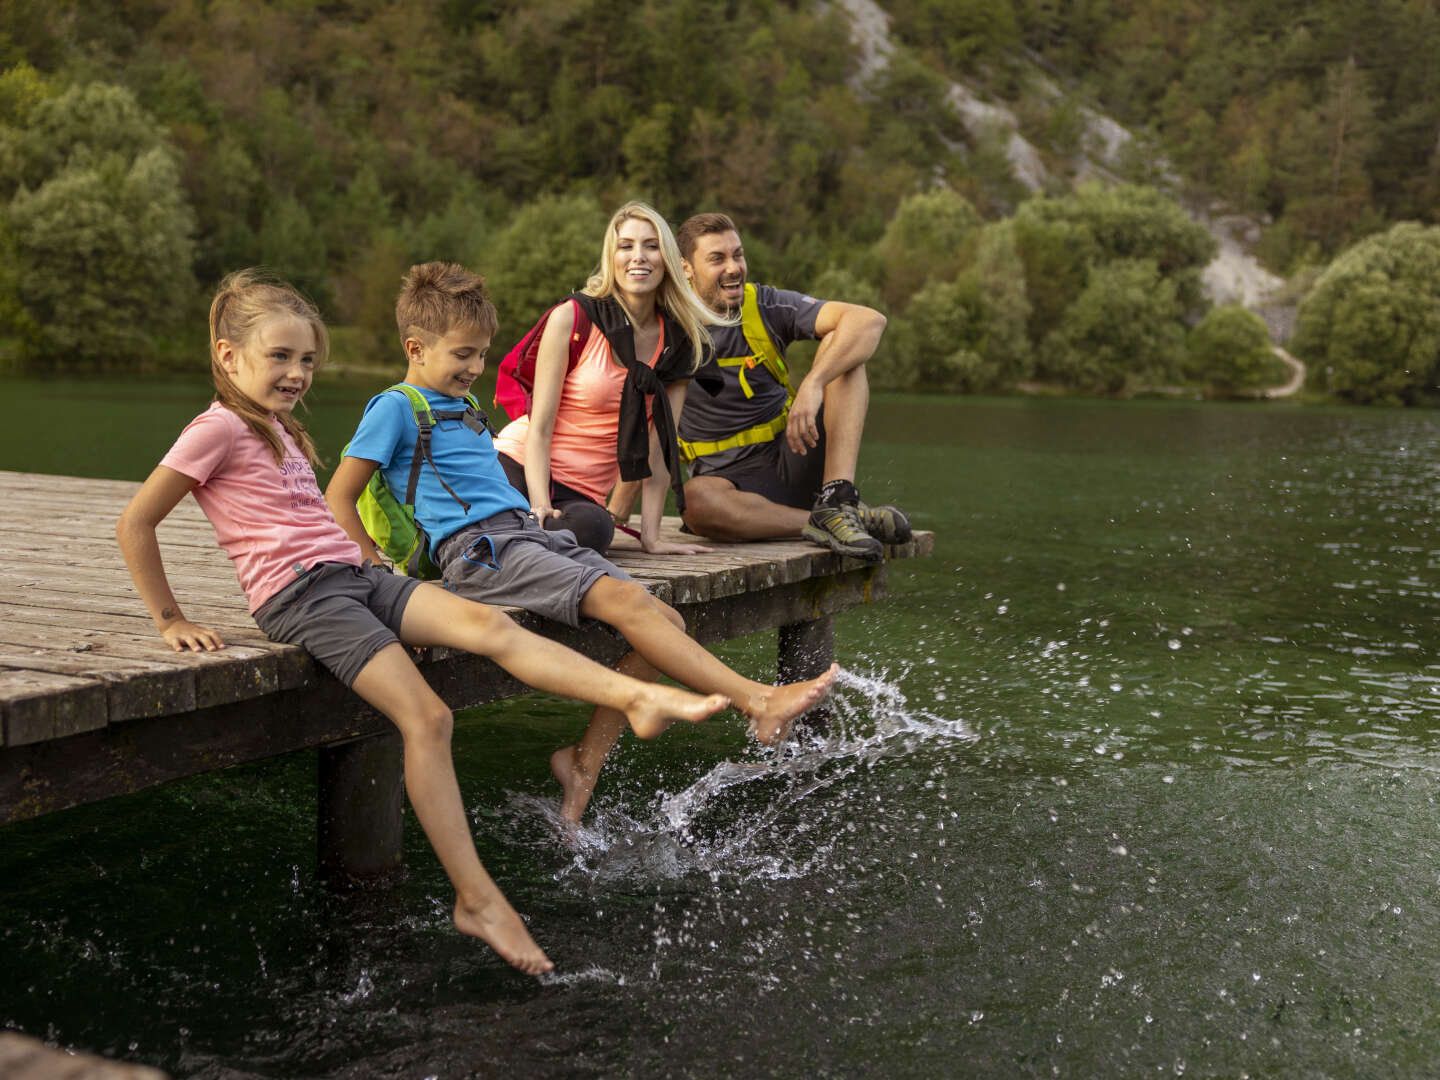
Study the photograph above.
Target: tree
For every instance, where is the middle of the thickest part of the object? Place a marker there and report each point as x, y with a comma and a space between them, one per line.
997, 276
99, 228
1122, 332
548, 250
923, 242
1230, 348
933, 346
1370, 329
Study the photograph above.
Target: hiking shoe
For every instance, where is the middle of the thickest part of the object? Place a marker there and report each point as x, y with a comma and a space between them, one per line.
839, 529
888, 524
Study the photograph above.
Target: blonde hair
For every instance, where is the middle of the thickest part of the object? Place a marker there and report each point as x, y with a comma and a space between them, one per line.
244, 300
436, 297
677, 299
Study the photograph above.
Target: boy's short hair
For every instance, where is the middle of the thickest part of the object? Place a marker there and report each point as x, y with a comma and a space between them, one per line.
436, 297
700, 225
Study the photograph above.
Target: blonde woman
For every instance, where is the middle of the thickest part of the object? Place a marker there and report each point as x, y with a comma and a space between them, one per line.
612, 415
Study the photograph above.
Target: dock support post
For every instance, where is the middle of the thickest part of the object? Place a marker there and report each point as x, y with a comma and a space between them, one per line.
807, 649
361, 792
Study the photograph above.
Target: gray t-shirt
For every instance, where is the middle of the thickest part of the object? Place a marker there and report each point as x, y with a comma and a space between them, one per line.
788, 316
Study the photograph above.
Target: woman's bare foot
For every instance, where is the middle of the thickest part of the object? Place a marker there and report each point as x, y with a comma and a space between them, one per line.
500, 926
576, 784
777, 708
655, 707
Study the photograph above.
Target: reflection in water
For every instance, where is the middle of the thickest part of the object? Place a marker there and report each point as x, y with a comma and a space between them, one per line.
1135, 776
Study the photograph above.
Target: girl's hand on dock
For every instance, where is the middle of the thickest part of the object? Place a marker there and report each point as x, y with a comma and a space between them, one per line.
182, 634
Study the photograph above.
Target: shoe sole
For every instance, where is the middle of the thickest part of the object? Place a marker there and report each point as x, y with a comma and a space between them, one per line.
830, 540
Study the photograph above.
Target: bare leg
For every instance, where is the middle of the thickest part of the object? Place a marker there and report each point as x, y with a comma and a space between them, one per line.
716, 508
437, 617
847, 400
657, 632
391, 683
577, 767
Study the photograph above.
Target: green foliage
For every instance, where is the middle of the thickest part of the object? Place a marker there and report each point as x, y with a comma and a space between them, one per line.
997, 276
933, 347
1132, 222
1122, 332
548, 250
923, 242
1370, 329
99, 229
1230, 348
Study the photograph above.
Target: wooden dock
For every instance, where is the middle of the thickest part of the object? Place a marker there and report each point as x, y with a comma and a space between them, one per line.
93, 704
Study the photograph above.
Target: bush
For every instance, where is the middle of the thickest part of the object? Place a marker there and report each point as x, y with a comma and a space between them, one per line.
1123, 332
1370, 329
98, 229
546, 252
923, 243
1231, 349
934, 346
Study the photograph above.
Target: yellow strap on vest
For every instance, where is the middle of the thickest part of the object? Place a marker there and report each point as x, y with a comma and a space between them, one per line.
763, 351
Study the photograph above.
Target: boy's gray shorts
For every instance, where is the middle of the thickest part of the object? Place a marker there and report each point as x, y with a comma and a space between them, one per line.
509, 559
343, 615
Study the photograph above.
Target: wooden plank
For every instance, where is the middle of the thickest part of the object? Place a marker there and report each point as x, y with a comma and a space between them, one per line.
37, 705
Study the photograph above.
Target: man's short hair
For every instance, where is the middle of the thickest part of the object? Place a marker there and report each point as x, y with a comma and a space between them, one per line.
702, 225
437, 297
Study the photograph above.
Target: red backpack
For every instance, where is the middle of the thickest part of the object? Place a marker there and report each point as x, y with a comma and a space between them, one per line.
515, 380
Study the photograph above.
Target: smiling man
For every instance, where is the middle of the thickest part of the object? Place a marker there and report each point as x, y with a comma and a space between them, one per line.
766, 462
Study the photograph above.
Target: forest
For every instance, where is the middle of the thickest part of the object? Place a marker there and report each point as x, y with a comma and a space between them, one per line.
147, 147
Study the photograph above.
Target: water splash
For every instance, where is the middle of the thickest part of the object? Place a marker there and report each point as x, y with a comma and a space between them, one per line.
759, 816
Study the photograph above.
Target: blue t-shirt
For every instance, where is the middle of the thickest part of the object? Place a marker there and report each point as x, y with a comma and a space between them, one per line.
465, 458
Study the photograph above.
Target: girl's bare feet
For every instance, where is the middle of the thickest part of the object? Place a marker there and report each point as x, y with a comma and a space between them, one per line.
500, 926
575, 783
774, 712
654, 708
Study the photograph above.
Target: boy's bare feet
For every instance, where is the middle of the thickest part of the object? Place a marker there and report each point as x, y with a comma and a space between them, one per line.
576, 784
774, 712
500, 926
655, 707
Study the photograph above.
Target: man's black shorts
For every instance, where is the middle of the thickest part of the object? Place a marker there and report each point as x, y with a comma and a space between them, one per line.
775, 471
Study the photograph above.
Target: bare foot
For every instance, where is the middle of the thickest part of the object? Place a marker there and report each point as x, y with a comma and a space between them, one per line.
575, 783
500, 926
656, 707
777, 709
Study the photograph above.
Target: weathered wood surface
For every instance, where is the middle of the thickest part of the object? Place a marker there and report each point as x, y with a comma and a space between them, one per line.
94, 704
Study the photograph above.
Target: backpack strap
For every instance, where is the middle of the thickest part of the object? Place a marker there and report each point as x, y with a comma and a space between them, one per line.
425, 418
764, 352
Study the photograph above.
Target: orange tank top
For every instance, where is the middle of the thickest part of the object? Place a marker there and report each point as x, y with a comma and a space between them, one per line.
582, 448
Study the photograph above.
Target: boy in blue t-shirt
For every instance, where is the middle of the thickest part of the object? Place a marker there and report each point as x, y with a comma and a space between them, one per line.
491, 549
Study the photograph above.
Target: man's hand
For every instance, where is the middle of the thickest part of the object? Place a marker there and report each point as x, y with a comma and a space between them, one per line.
802, 430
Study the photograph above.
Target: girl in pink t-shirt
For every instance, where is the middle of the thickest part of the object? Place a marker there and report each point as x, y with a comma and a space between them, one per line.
249, 464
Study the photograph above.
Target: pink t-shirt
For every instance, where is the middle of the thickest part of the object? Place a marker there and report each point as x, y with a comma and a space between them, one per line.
270, 519
583, 446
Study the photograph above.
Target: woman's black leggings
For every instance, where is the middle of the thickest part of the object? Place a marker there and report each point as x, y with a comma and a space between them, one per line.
588, 520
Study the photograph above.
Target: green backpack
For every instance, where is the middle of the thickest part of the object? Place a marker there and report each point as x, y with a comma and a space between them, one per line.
390, 522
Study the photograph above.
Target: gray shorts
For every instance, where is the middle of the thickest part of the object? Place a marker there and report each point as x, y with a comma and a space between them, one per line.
343, 615
510, 559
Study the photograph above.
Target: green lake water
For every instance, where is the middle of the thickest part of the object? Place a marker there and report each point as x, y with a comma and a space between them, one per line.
1135, 776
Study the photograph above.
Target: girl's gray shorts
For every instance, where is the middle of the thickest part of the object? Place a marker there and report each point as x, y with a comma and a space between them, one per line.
508, 559
343, 615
